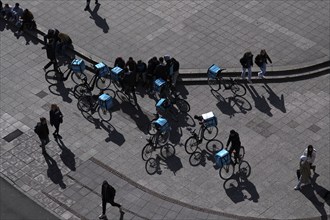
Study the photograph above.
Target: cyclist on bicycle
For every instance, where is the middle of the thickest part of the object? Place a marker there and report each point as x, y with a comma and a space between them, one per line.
235, 144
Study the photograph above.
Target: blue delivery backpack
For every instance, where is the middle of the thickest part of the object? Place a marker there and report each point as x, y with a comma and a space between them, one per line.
102, 69
213, 71
105, 101
78, 66
160, 104
158, 84
162, 124
209, 120
116, 73
222, 158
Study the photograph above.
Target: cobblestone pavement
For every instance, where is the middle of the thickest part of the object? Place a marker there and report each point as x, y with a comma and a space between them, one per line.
278, 122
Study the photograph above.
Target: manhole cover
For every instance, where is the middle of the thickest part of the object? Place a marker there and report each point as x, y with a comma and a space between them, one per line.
13, 135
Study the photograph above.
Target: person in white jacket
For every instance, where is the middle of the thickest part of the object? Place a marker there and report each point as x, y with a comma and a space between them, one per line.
310, 153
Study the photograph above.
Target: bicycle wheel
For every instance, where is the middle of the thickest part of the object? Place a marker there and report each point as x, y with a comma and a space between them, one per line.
147, 151
163, 137
78, 78
213, 83
84, 103
210, 133
167, 151
241, 153
104, 114
214, 146
195, 158
151, 166
79, 90
103, 82
53, 76
116, 84
191, 144
183, 105
238, 89
226, 171
244, 169
241, 103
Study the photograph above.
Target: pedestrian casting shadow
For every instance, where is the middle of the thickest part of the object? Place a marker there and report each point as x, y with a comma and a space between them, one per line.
53, 172
274, 99
239, 189
99, 21
259, 101
59, 89
114, 135
67, 156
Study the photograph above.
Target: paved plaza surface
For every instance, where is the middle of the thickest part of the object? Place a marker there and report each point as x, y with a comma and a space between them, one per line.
279, 121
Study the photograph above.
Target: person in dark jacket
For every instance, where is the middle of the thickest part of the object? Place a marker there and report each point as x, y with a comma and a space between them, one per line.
108, 195
141, 71
235, 142
261, 60
160, 70
176, 66
56, 118
120, 62
247, 63
152, 63
41, 129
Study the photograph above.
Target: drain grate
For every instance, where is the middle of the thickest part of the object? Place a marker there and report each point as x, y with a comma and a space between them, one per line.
41, 94
13, 135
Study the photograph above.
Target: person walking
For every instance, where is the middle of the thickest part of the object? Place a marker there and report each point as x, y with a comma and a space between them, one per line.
108, 195
310, 153
261, 61
247, 63
56, 118
304, 170
235, 144
88, 4
41, 129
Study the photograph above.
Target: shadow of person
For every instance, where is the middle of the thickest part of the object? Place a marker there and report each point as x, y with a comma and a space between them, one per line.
320, 190
224, 106
259, 101
67, 156
99, 21
30, 36
245, 184
231, 187
53, 172
60, 90
114, 135
173, 163
309, 193
274, 99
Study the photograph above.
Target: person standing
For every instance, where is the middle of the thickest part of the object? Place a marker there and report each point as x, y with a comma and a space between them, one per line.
305, 173
41, 129
56, 118
176, 67
310, 153
247, 63
108, 195
88, 3
261, 61
235, 144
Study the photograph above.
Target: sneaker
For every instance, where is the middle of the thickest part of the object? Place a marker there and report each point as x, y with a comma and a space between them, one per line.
259, 75
102, 216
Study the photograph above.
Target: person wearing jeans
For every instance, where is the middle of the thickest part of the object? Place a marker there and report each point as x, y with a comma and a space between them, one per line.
247, 63
261, 61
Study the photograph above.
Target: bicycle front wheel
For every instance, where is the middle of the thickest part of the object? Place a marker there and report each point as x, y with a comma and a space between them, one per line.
241, 153
147, 151
244, 170
214, 83
79, 90
163, 138
195, 158
238, 89
84, 103
167, 151
191, 145
183, 105
53, 76
226, 171
210, 133
103, 82
78, 78
151, 166
104, 114
214, 146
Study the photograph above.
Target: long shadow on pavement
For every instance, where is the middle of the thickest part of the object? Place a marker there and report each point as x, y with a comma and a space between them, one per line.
274, 99
99, 21
53, 172
66, 155
259, 101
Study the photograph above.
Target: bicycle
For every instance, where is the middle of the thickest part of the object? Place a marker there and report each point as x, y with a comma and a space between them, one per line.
205, 132
160, 128
212, 146
227, 170
165, 106
56, 75
101, 103
166, 150
215, 80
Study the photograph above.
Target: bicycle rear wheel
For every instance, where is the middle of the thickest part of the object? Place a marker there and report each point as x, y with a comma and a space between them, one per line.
103, 82
78, 78
163, 137
104, 114
84, 103
210, 133
213, 83
238, 89
241, 153
191, 144
226, 171
167, 151
147, 152
183, 105
53, 76
214, 146
79, 90
244, 170
151, 166
195, 158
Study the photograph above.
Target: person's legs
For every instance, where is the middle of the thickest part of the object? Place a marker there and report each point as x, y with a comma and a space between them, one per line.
104, 207
298, 187
249, 73
57, 128
243, 73
113, 203
175, 77
263, 70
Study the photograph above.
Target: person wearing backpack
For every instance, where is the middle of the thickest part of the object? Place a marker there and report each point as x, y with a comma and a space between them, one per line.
108, 195
261, 61
41, 129
247, 63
